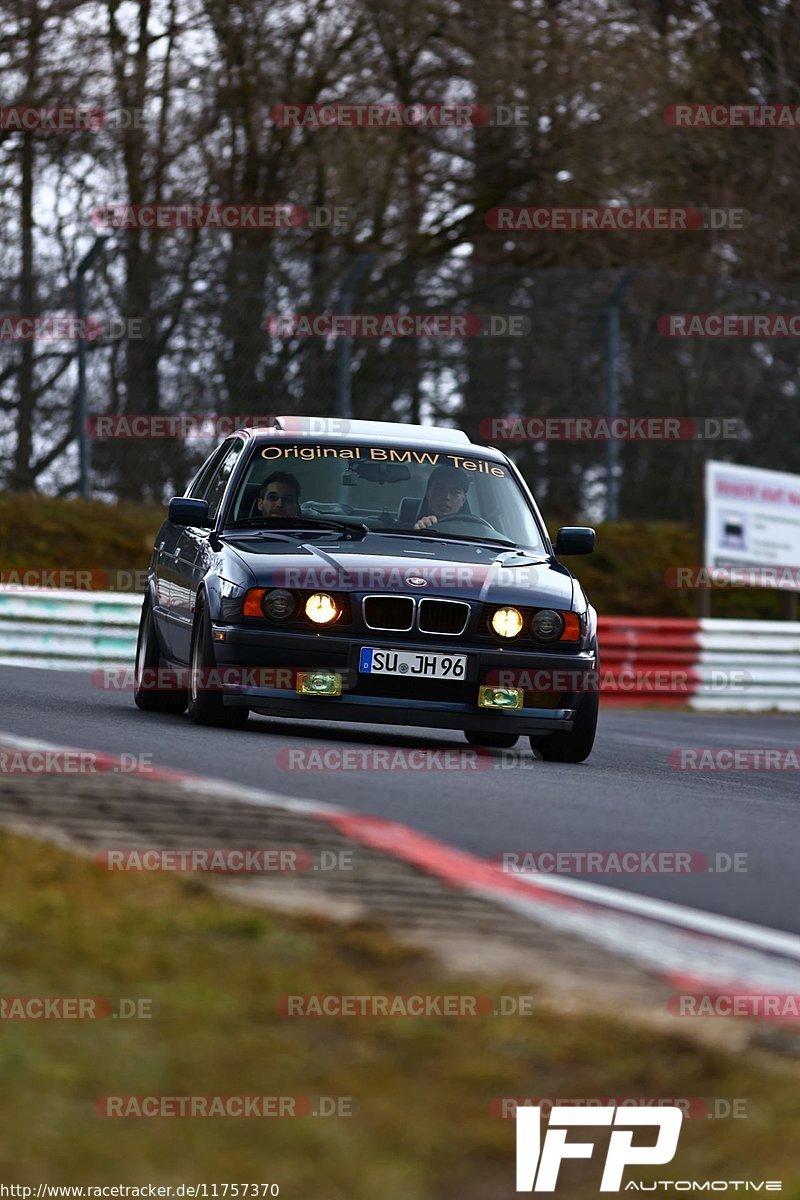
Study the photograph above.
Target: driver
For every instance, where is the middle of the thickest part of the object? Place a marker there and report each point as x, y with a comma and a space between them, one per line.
280, 496
445, 495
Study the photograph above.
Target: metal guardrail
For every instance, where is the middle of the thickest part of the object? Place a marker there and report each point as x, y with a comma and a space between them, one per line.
711, 664
67, 630
708, 664
767, 651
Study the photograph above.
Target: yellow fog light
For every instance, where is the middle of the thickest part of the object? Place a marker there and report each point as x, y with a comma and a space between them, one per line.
492, 697
507, 622
319, 683
321, 609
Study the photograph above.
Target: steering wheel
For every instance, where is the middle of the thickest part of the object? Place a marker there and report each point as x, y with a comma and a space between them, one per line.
465, 517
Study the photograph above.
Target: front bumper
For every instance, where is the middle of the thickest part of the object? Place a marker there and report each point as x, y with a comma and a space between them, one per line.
386, 699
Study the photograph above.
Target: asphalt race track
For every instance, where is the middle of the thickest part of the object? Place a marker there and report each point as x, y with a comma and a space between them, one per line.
625, 797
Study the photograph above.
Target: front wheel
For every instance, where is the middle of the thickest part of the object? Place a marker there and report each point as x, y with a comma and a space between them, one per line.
149, 673
205, 700
494, 741
575, 746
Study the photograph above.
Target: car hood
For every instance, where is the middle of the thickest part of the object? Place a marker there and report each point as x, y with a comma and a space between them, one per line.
410, 565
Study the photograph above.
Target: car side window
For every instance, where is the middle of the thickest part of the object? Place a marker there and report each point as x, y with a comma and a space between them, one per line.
216, 488
198, 489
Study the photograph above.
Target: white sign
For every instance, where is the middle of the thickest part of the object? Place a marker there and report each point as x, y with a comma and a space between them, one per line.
753, 522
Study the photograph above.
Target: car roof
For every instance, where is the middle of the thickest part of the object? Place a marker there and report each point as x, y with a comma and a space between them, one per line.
364, 432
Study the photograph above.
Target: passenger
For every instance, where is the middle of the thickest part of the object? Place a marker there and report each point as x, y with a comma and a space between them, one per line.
280, 496
445, 495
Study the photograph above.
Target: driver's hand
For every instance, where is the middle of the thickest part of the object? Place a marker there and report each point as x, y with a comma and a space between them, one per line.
425, 522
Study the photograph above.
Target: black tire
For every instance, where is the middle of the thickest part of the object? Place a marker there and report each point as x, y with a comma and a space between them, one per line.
575, 746
494, 741
205, 704
149, 662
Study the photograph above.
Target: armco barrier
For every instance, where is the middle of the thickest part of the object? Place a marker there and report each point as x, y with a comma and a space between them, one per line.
709, 664
67, 630
706, 663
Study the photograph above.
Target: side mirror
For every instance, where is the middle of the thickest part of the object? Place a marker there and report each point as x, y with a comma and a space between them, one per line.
182, 511
574, 539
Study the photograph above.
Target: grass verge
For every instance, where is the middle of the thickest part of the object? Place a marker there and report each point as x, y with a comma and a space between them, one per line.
422, 1088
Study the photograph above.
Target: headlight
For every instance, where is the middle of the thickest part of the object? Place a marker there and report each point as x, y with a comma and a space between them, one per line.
279, 604
321, 609
547, 625
507, 622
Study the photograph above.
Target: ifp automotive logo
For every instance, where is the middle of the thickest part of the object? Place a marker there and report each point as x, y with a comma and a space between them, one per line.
538, 1163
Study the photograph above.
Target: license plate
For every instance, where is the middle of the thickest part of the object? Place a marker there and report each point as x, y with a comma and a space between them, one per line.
412, 663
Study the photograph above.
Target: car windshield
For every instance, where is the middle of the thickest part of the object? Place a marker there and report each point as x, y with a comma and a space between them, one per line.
394, 489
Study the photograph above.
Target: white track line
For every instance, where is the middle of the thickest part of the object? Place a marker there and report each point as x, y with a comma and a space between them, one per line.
729, 928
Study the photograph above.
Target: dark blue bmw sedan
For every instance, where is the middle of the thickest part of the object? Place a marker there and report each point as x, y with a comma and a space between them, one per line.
369, 572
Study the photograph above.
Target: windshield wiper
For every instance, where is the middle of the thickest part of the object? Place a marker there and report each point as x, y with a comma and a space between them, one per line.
285, 523
429, 535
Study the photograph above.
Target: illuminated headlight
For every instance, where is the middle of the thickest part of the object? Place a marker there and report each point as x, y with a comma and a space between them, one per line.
507, 622
547, 625
279, 604
321, 609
